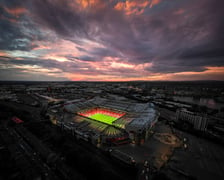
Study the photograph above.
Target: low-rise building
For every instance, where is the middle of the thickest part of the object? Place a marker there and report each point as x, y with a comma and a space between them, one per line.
198, 120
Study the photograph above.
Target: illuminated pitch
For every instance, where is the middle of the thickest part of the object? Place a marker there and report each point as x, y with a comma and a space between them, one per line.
102, 115
103, 118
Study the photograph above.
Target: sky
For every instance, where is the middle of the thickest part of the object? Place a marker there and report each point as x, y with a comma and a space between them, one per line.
111, 40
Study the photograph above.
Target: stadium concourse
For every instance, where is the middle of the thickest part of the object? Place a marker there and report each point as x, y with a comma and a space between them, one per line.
106, 122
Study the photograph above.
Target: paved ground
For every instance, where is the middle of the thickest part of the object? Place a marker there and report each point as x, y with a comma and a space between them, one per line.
202, 160
152, 150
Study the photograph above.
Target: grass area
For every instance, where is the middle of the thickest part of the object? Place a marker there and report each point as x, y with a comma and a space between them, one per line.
103, 118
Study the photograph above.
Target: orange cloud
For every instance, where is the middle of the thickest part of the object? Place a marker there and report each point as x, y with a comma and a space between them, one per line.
132, 7
87, 4
8, 19
216, 69
3, 54
16, 11
154, 2
209, 70
212, 73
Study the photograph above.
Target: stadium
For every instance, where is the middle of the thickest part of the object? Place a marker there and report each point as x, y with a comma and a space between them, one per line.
107, 121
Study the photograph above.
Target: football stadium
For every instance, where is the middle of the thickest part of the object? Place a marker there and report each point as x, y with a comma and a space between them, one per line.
104, 121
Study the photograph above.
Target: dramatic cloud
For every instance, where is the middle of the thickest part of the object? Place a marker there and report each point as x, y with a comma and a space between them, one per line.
111, 40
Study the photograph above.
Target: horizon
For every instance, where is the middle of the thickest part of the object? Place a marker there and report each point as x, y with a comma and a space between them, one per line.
111, 41
101, 81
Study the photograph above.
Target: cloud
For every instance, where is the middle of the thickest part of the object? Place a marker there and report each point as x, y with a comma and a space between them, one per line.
86, 58
109, 38
11, 74
17, 11
58, 16
132, 6
17, 31
154, 2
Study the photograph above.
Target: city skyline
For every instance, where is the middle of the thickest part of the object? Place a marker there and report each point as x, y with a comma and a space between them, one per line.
114, 40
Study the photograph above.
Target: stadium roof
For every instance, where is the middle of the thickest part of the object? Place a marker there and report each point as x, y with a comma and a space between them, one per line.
139, 115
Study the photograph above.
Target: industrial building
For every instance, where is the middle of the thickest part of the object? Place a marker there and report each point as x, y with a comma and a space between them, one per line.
105, 121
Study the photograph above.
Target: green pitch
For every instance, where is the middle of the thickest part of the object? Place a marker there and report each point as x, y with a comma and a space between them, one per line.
103, 118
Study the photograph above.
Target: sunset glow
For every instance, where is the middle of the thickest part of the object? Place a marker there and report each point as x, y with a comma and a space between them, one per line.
125, 40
